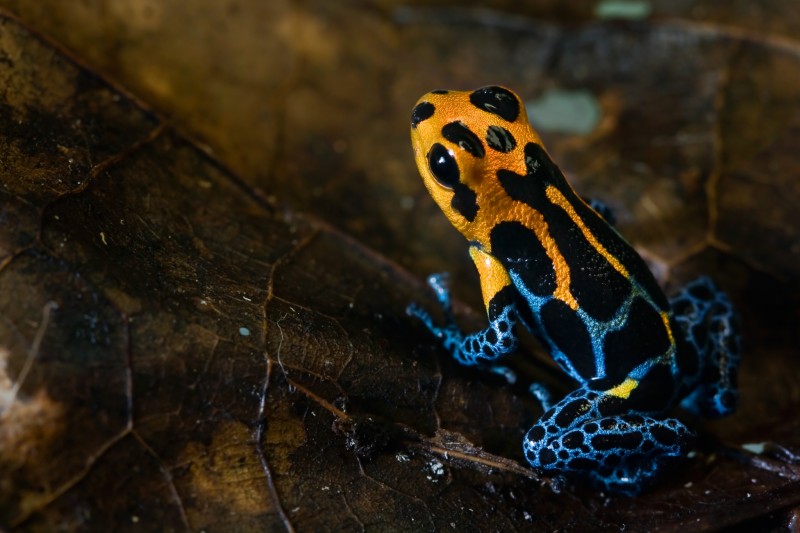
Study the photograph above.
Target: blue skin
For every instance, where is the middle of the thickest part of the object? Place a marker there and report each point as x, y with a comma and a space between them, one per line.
619, 444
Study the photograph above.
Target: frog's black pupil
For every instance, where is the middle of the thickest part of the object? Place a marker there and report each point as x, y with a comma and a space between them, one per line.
443, 165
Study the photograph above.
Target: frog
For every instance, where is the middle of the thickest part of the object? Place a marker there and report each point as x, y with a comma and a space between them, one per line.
554, 263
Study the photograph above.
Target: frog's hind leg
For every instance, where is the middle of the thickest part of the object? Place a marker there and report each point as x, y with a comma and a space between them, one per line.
588, 432
709, 324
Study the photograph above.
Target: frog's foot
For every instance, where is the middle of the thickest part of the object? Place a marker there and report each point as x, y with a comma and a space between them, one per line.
710, 325
479, 348
620, 453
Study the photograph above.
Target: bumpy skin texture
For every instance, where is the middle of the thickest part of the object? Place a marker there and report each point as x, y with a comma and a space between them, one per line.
553, 262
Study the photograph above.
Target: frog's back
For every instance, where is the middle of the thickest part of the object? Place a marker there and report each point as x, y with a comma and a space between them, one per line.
545, 257
606, 316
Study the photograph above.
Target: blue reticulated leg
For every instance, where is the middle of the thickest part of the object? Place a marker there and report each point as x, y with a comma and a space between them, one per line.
709, 324
479, 348
586, 432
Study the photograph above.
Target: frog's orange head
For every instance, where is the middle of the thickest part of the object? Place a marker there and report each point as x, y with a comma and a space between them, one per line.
460, 141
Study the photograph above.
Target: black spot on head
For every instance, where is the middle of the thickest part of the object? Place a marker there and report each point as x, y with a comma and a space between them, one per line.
443, 166
500, 139
496, 100
458, 133
465, 201
421, 111
440, 91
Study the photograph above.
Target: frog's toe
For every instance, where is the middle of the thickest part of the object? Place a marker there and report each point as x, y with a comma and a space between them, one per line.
417, 311
440, 283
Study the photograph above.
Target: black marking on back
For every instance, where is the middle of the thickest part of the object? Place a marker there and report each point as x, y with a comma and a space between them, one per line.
499, 302
465, 201
596, 285
526, 189
496, 100
522, 253
655, 391
618, 247
542, 167
568, 332
642, 337
539, 165
500, 139
421, 111
458, 133
440, 91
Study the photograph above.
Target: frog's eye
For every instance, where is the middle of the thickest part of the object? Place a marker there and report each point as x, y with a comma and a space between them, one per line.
443, 166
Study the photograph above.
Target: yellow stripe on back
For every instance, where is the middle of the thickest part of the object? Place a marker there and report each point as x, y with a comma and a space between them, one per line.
555, 196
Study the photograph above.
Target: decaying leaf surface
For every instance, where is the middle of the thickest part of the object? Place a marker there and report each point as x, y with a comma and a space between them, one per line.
180, 351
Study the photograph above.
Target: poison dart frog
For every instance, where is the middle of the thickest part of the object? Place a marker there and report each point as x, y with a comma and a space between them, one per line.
551, 261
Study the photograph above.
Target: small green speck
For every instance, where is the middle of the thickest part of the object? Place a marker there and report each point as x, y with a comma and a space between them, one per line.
622, 9
754, 447
244, 332
574, 112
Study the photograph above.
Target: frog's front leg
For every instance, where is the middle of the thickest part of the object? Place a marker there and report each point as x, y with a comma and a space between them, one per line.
590, 432
487, 345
